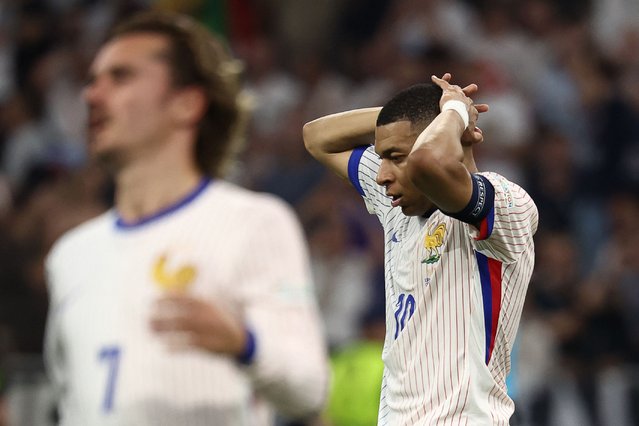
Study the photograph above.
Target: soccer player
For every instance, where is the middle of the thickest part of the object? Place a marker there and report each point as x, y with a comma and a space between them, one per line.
459, 251
190, 302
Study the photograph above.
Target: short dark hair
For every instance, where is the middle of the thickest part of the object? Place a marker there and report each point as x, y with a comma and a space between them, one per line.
196, 57
418, 104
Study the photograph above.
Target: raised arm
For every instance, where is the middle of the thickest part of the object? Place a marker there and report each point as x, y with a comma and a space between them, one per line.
441, 160
331, 139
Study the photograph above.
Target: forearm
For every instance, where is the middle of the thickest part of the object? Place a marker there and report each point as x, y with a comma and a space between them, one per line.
340, 132
442, 138
289, 366
291, 369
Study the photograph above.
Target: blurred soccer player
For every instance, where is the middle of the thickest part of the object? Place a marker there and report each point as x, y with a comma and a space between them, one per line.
459, 251
190, 302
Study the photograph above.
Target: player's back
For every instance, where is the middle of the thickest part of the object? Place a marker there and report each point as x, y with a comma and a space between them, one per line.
105, 277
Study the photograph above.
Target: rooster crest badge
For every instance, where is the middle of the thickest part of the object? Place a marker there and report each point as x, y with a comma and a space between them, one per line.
177, 279
433, 240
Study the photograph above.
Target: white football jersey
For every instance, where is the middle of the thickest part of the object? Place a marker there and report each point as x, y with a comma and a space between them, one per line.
240, 250
454, 296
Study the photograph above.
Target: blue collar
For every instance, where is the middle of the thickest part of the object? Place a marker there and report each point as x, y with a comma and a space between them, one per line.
122, 225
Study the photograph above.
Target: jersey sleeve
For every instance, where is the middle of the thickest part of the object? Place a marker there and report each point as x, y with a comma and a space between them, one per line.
290, 365
508, 228
363, 166
53, 349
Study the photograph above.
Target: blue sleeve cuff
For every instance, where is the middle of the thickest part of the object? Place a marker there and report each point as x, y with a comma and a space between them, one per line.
248, 355
353, 167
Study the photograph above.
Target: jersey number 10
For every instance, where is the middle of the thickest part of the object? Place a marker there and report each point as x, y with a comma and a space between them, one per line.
403, 313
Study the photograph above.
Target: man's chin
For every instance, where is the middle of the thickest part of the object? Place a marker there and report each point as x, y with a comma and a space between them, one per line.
409, 211
412, 210
110, 160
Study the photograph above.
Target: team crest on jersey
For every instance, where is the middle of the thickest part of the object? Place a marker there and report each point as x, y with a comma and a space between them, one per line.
172, 279
433, 240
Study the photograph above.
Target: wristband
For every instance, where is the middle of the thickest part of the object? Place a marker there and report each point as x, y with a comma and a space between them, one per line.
246, 357
460, 108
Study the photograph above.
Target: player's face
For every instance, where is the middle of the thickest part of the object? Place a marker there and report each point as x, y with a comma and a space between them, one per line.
393, 143
128, 95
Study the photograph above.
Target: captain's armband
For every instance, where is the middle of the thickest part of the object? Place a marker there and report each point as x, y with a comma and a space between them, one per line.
481, 202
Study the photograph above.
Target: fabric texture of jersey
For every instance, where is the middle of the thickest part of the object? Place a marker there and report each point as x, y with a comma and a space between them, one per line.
454, 296
242, 251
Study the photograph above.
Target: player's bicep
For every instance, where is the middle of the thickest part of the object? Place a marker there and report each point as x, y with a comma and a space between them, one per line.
336, 162
331, 139
445, 182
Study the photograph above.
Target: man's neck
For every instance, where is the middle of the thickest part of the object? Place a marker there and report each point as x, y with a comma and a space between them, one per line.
147, 187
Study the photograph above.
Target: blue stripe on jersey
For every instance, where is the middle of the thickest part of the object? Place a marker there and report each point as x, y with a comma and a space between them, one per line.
353, 167
122, 225
490, 279
486, 295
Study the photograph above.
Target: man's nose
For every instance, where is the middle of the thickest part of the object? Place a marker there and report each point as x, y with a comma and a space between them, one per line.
93, 92
384, 176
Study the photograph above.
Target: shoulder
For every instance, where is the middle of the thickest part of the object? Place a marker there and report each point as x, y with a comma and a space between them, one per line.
250, 206
512, 200
80, 239
496, 179
502, 184
509, 192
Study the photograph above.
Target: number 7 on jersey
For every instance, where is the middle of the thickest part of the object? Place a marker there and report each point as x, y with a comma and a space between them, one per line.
111, 356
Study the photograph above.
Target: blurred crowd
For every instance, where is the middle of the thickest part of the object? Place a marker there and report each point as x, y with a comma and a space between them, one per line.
561, 78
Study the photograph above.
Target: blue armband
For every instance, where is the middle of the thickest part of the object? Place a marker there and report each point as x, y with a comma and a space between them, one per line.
481, 202
246, 357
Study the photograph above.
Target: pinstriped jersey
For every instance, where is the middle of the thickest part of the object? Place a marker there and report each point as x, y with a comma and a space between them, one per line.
242, 251
454, 296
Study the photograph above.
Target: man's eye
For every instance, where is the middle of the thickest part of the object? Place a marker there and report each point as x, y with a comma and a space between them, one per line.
121, 75
397, 159
89, 81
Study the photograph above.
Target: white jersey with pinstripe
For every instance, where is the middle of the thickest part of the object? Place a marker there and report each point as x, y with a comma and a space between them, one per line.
240, 250
454, 296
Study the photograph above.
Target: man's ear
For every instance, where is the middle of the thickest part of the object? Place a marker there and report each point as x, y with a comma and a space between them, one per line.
189, 105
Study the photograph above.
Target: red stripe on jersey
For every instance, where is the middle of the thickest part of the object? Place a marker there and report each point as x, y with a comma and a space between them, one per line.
494, 267
486, 225
490, 280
